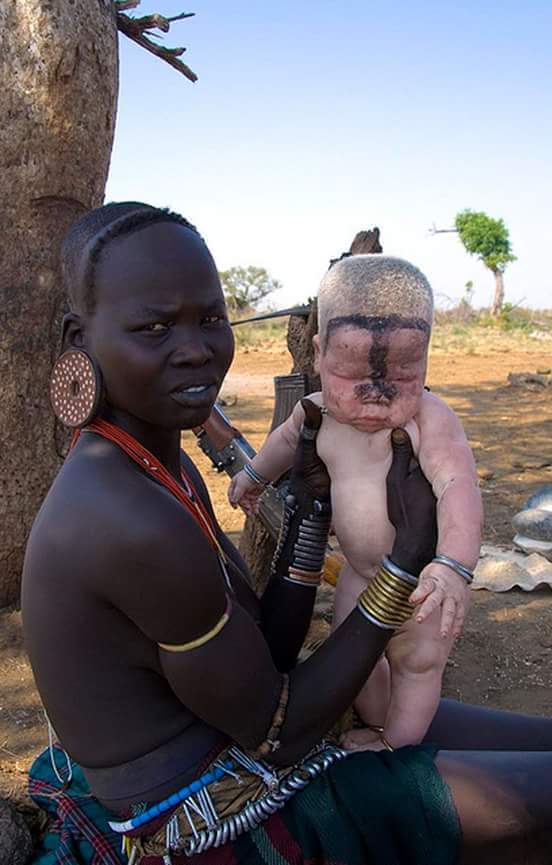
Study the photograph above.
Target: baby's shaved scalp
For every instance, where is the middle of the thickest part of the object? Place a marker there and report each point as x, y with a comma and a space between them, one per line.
375, 288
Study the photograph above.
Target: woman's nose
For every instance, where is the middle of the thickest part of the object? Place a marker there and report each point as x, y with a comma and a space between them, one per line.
192, 349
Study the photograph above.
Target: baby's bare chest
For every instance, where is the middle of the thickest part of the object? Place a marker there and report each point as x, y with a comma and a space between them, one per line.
358, 464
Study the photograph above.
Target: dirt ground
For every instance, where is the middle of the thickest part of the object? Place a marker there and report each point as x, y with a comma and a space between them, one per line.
503, 658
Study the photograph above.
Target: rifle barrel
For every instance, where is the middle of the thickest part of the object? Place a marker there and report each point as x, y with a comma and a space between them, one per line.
280, 313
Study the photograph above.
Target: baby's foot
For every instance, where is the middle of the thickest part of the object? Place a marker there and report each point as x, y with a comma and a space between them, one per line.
363, 739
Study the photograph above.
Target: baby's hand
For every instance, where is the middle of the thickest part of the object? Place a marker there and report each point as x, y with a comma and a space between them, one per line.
440, 586
245, 493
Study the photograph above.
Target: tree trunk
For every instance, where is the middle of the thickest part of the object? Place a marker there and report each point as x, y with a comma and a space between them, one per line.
256, 545
498, 299
57, 103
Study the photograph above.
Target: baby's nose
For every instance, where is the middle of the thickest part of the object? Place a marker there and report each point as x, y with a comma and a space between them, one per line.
375, 392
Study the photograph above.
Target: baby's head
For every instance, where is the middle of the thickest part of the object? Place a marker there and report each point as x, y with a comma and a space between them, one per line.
374, 321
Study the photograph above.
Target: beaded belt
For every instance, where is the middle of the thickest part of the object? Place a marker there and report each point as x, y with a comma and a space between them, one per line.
234, 796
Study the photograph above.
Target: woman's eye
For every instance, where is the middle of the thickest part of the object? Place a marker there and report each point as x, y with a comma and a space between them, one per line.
156, 327
214, 319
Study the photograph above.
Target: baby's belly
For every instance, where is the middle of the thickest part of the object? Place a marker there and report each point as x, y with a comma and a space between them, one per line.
361, 523
358, 464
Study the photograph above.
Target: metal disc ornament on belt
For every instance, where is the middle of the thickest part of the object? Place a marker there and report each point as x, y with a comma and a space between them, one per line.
75, 388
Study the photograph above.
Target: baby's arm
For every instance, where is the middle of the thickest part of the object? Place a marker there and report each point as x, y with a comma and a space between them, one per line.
274, 458
447, 462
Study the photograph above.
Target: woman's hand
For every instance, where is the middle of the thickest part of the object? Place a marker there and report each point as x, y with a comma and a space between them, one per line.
309, 475
411, 506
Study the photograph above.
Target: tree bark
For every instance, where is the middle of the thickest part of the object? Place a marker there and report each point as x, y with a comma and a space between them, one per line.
57, 103
498, 299
256, 545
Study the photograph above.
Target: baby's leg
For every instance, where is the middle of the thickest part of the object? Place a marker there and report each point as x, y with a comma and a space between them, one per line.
372, 702
417, 656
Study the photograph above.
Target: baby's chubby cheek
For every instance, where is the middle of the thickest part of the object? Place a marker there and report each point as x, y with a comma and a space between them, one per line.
345, 402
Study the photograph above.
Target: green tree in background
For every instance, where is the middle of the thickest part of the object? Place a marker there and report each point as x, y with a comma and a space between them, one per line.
245, 287
489, 240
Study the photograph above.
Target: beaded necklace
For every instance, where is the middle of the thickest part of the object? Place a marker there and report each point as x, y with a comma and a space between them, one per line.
186, 495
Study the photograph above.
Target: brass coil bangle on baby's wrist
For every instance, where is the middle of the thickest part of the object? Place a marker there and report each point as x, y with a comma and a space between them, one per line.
385, 600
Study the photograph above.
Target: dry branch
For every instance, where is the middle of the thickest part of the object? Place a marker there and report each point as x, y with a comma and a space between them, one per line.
141, 30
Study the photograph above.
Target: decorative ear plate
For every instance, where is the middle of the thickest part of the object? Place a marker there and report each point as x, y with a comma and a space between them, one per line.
75, 388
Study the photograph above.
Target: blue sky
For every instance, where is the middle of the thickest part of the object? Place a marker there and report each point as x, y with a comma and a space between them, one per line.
313, 120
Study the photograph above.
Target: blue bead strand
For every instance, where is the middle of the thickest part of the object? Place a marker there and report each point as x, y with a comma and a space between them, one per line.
173, 800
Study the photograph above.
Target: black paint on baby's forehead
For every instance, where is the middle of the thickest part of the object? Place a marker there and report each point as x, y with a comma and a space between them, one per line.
376, 324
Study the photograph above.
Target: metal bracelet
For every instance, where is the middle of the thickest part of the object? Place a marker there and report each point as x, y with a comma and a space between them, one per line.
256, 812
309, 549
290, 508
458, 567
371, 618
254, 475
399, 572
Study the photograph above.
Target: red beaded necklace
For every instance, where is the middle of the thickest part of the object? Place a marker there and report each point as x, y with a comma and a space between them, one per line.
187, 495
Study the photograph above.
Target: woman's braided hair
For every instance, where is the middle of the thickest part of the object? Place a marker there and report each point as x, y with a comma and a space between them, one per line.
87, 238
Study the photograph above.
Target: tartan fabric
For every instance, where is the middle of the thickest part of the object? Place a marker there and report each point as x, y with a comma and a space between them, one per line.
370, 809
77, 832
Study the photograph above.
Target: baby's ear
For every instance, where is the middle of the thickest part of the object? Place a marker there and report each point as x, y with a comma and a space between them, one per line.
316, 346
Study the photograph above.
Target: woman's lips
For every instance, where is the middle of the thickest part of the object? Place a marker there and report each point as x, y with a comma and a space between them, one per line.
194, 395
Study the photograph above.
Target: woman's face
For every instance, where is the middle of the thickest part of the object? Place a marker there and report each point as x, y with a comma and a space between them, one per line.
373, 379
160, 331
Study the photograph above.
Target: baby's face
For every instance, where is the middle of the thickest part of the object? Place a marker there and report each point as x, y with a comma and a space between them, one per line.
373, 379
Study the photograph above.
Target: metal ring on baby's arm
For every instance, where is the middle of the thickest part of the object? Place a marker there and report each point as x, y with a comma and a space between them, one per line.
457, 567
255, 476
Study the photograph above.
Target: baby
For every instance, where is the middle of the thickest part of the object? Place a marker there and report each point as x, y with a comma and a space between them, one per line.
374, 322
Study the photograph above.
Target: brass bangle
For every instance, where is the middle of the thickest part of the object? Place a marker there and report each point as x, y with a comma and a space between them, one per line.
303, 578
380, 616
381, 608
205, 638
399, 572
375, 728
271, 742
385, 592
384, 601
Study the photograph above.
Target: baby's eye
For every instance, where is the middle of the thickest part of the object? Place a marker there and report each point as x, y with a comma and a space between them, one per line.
214, 319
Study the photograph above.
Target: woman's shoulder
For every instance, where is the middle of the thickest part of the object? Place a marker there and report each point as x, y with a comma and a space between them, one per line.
106, 515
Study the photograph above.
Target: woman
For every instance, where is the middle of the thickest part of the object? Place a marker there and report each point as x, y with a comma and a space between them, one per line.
163, 674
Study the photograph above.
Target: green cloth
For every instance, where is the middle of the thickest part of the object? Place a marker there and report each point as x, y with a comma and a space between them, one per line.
385, 808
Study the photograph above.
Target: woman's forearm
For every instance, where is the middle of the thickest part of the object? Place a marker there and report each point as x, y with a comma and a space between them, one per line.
286, 613
324, 686
296, 573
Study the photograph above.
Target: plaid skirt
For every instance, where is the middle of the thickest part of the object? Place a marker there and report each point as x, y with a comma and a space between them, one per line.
369, 809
